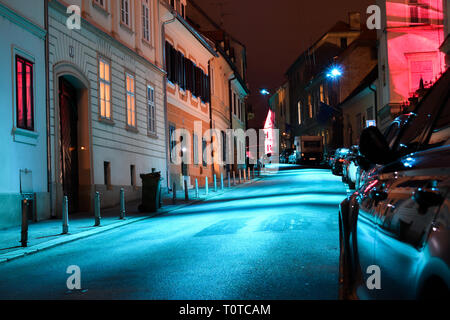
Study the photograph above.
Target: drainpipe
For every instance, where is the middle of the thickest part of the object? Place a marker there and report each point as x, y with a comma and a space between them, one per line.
376, 102
230, 95
210, 114
47, 107
166, 118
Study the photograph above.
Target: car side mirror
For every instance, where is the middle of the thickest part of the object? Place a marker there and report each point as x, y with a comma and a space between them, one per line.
374, 147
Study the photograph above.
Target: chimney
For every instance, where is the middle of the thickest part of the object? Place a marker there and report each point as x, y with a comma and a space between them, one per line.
355, 20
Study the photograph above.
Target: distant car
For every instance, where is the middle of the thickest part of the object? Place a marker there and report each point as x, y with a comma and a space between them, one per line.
398, 222
338, 160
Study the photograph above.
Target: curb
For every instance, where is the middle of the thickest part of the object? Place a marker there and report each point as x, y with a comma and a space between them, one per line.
82, 235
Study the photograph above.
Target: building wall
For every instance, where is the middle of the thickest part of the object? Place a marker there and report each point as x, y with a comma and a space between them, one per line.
183, 108
220, 72
77, 52
406, 49
356, 112
22, 33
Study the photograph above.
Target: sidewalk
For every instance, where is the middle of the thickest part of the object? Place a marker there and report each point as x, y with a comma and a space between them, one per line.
48, 234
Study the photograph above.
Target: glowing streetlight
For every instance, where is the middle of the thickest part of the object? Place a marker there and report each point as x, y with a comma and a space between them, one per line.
264, 92
335, 72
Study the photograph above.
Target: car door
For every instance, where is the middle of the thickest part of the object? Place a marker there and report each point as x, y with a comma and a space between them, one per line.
366, 234
404, 222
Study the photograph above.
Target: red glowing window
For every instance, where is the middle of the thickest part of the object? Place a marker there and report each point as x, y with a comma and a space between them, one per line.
24, 93
421, 70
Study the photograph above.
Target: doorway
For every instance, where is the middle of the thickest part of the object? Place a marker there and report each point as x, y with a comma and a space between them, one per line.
69, 142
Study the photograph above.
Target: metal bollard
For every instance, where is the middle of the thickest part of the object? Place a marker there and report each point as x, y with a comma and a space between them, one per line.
254, 173
245, 175
122, 204
240, 176
206, 185
186, 191
65, 216
229, 179
234, 178
24, 231
174, 195
221, 181
197, 194
97, 209
215, 183
249, 175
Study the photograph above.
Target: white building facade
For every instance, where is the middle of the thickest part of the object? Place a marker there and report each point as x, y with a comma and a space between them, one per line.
23, 139
106, 101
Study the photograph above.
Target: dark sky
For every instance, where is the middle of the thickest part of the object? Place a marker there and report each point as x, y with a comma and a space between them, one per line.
275, 33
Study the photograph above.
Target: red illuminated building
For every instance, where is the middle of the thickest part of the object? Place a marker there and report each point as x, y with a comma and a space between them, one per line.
409, 52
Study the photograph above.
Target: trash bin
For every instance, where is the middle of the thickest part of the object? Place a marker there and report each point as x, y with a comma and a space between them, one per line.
151, 192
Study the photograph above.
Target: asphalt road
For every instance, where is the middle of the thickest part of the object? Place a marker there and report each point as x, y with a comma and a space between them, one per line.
274, 239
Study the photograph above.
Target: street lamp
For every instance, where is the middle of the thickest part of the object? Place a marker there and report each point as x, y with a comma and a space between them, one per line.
335, 72
264, 92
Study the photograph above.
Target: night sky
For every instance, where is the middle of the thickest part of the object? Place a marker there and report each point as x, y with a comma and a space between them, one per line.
275, 33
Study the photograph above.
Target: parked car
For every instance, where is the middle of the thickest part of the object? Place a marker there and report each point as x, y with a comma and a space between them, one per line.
350, 167
398, 222
336, 165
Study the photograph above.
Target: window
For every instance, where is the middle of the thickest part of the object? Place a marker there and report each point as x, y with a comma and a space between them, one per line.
183, 10
24, 94
105, 89
146, 21
239, 106
212, 80
125, 12
172, 141
420, 70
172, 3
310, 106
419, 11
195, 149
204, 155
322, 95
131, 104
234, 104
151, 109
299, 107
224, 146
100, 3
107, 173
133, 175
186, 74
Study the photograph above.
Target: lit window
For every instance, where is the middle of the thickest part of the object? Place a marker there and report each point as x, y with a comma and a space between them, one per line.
24, 93
125, 12
322, 96
419, 11
131, 106
151, 109
146, 21
105, 89
299, 106
310, 106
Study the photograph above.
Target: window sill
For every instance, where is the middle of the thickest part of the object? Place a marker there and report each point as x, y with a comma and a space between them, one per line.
25, 136
101, 9
152, 135
132, 129
126, 28
147, 43
106, 121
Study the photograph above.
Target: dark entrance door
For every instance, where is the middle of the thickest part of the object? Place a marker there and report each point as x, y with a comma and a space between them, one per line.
69, 142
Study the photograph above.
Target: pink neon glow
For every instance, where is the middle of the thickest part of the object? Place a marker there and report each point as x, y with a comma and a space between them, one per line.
20, 120
268, 131
415, 34
29, 97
